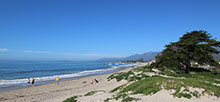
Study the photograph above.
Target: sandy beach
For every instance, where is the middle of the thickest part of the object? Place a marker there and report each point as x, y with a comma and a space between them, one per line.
66, 89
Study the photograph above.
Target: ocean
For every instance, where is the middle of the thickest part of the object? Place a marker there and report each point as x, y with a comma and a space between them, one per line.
14, 74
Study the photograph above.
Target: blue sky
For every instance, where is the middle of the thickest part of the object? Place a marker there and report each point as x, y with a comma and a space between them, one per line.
91, 29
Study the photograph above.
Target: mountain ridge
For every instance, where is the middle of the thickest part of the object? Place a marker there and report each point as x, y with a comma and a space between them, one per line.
146, 56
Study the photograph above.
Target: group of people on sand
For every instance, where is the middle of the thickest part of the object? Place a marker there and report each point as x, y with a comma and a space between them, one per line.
30, 82
33, 81
95, 81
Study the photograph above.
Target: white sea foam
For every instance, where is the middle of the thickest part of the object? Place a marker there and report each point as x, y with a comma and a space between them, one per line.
47, 78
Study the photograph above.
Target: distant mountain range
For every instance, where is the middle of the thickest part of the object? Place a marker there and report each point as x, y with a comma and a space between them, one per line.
146, 56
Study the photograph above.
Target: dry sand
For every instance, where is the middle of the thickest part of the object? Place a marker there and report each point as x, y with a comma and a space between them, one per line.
57, 93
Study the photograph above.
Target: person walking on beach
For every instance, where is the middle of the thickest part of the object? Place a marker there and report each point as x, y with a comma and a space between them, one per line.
28, 82
57, 80
33, 81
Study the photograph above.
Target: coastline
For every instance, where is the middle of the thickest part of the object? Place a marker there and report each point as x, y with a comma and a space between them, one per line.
80, 87
58, 93
22, 83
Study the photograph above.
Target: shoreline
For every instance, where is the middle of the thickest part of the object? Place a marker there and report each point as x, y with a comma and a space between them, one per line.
37, 83
53, 81
51, 91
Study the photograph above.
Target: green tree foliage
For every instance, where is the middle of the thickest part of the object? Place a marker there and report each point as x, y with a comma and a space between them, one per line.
195, 46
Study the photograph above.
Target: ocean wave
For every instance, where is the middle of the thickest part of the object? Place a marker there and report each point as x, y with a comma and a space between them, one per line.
79, 74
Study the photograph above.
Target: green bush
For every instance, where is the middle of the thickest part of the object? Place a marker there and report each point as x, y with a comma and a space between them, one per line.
71, 99
90, 93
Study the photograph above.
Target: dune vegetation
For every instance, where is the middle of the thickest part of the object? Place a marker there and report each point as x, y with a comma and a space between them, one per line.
185, 68
140, 82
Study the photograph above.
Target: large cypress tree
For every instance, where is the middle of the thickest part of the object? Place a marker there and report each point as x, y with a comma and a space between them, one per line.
195, 46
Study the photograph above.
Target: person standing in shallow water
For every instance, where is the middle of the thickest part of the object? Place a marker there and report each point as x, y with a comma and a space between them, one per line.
28, 82
57, 80
33, 81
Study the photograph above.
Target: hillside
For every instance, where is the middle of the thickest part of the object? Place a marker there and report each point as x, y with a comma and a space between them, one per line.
147, 56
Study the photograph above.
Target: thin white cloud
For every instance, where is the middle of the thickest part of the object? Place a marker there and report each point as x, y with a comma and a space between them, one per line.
90, 55
93, 55
3, 50
87, 55
40, 52
70, 54
28, 51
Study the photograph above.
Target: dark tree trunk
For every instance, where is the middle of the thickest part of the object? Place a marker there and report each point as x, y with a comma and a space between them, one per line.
187, 68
